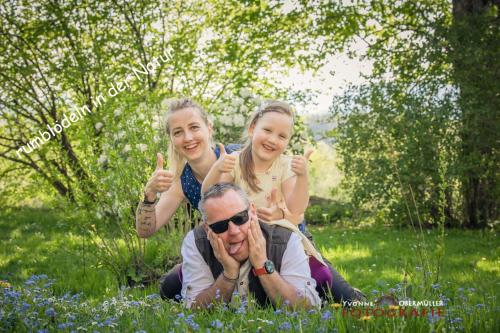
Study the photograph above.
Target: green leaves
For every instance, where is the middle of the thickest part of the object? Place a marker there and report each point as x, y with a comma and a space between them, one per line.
415, 139
58, 57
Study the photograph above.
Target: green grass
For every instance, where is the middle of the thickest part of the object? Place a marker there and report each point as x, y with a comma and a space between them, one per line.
376, 257
373, 259
36, 241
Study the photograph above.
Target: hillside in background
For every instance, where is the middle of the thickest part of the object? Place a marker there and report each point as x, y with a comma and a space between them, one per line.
320, 124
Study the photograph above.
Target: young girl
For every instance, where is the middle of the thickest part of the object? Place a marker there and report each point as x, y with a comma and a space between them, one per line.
262, 169
263, 172
190, 158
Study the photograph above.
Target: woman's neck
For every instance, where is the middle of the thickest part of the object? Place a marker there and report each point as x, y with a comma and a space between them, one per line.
202, 167
260, 165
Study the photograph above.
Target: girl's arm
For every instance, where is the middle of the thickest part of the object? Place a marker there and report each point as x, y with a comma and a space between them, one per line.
296, 192
296, 189
220, 170
150, 218
214, 176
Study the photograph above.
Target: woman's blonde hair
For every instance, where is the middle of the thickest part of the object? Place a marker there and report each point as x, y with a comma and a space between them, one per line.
175, 159
246, 161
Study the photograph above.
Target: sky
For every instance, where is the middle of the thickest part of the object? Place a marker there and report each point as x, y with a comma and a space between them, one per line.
330, 80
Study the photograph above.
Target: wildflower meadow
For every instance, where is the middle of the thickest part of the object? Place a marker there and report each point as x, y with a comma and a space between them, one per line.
51, 283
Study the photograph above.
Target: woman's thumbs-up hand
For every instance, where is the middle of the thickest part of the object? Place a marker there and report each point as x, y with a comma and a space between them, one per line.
160, 181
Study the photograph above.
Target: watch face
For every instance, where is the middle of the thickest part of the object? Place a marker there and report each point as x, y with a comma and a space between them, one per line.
269, 266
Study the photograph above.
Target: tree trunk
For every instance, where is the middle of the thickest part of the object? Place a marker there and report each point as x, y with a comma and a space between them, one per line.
475, 54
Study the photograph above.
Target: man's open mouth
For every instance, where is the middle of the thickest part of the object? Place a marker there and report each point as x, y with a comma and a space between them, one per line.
234, 247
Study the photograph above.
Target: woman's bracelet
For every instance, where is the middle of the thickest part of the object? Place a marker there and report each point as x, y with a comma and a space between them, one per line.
229, 279
147, 202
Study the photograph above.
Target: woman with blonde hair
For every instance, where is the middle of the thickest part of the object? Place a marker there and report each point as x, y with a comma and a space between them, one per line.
191, 155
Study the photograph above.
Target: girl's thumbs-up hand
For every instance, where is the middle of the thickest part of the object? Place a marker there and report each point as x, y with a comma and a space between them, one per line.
226, 162
299, 163
160, 181
273, 211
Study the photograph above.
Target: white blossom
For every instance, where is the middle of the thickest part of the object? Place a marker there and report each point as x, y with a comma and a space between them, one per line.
245, 93
118, 112
127, 148
226, 120
165, 103
157, 121
220, 106
65, 95
102, 159
142, 147
236, 102
256, 100
239, 120
98, 126
141, 107
243, 109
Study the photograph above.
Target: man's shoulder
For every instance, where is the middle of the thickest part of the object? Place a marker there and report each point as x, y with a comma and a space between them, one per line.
199, 232
196, 238
202, 243
189, 238
277, 233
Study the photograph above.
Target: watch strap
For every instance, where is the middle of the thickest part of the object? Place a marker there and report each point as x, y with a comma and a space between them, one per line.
259, 271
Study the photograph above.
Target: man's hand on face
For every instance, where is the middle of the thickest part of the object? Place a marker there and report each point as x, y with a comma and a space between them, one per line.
230, 265
256, 244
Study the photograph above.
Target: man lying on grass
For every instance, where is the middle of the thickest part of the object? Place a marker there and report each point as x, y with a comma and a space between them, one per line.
232, 252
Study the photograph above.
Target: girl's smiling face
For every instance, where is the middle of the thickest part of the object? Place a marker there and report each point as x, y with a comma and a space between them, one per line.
270, 135
189, 133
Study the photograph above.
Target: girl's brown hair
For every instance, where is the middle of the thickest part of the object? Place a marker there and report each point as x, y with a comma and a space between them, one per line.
175, 159
246, 161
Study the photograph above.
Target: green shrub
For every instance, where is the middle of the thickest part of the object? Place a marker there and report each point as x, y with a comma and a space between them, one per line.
326, 214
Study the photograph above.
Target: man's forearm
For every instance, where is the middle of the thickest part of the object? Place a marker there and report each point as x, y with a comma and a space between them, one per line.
220, 291
277, 289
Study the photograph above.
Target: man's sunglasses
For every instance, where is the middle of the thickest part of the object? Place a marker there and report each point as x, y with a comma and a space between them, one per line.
221, 226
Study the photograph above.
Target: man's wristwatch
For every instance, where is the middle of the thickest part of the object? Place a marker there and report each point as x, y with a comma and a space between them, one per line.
267, 269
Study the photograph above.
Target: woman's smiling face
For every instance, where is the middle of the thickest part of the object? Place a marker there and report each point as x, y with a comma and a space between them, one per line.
189, 133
